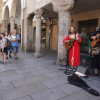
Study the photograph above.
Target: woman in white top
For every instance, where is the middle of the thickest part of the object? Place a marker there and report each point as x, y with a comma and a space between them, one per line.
10, 48
6, 35
3, 47
9, 36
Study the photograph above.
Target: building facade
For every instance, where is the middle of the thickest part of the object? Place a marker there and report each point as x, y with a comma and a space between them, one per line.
45, 23
1, 5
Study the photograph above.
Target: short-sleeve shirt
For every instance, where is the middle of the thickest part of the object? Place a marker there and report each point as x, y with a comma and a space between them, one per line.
3, 40
13, 38
9, 37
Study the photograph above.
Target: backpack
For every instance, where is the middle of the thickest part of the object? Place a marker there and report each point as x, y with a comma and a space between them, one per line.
9, 44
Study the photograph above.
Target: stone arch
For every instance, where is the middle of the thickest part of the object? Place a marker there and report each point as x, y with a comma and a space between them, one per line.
14, 7
16, 17
6, 13
6, 26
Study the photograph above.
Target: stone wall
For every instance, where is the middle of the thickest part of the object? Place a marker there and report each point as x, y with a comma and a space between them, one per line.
75, 17
0, 10
0, 14
54, 35
85, 16
33, 5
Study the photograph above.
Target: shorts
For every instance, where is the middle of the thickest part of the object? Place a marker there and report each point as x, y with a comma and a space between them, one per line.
15, 49
5, 50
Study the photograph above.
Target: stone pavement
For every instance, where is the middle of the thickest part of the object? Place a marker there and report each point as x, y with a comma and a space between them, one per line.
30, 78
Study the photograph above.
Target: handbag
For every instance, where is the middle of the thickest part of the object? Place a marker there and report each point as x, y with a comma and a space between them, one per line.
95, 51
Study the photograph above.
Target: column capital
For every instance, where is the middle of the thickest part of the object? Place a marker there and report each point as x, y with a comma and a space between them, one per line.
12, 23
62, 5
39, 13
4, 21
12, 18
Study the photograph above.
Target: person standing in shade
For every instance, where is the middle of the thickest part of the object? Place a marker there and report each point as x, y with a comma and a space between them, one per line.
15, 43
96, 58
74, 52
89, 51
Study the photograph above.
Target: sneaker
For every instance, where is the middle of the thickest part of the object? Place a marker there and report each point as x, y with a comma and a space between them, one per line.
70, 69
74, 68
1, 61
16, 58
84, 61
4, 62
9, 56
6, 57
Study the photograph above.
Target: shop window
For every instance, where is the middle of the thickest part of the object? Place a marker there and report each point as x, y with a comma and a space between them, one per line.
43, 33
87, 27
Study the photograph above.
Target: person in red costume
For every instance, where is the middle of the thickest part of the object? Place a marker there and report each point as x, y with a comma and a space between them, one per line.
74, 53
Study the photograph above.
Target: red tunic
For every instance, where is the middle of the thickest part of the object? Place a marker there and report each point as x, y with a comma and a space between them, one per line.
74, 54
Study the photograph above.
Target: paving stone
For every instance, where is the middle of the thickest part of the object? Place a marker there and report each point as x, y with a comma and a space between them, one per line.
55, 82
12, 77
51, 94
6, 86
26, 70
55, 74
39, 67
7, 73
25, 98
43, 71
26, 81
81, 95
69, 89
94, 82
22, 91
2, 68
29, 74
41, 79
90, 78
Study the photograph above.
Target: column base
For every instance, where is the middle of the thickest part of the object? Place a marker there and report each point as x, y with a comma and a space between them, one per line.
37, 55
27, 49
61, 62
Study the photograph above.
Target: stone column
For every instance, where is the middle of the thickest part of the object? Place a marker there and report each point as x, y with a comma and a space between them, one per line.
63, 8
47, 34
99, 22
22, 34
0, 28
27, 27
12, 24
38, 33
64, 25
28, 35
5, 25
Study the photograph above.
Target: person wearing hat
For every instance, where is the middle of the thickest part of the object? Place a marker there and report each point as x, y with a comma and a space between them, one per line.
74, 52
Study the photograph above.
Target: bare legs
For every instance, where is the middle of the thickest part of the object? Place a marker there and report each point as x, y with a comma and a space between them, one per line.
3, 55
15, 55
96, 71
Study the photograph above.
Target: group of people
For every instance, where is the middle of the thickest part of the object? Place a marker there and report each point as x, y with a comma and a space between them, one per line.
9, 43
74, 52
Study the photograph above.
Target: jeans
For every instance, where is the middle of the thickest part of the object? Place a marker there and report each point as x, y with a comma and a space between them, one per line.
15, 49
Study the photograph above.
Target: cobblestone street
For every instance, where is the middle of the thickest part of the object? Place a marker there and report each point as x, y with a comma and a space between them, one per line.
29, 78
